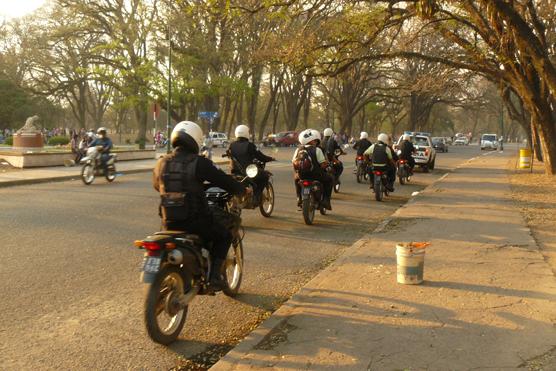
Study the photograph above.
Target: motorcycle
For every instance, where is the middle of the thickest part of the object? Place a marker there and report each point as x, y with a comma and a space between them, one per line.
176, 268
265, 200
92, 166
380, 181
404, 172
311, 199
361, 172
336, 177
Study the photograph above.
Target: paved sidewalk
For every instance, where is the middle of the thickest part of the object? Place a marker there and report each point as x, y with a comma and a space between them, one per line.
488, 300
61, 173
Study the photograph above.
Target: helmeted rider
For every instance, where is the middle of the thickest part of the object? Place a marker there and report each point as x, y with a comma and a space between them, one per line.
106, 143
381, 157
407, 150
245, 152
310, 141
179, 177
330, 146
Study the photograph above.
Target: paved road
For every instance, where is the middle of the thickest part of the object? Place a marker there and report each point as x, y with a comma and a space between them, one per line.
71, 297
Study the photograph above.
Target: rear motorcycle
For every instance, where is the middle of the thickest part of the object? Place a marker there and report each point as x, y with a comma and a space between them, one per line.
311, 199
176, 268
380, 180
404, 172
361, 173
92, 166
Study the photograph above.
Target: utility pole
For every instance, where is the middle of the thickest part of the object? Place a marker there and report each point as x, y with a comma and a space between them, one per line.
169, 102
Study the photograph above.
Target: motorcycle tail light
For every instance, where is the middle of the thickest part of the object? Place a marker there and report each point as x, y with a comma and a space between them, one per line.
402, 161
306, 183
378, 172
360, 158
152, 246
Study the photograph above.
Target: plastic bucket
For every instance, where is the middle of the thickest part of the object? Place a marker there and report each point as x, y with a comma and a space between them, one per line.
411, 264
524, 158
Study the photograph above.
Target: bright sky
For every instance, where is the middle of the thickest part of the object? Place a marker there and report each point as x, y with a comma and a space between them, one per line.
18, 8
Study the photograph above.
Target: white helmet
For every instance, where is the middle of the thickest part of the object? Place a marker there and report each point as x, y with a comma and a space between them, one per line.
384, 138
328, 132
364, 135
307, 136
187, 134
242, 131
406, 137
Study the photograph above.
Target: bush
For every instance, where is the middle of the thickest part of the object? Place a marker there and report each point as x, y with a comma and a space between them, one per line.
58, 141
9, 141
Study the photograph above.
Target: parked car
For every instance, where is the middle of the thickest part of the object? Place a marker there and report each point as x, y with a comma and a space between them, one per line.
425, 156
440, 144
269, 140
489, 141
219, 139
286, 139
461, 141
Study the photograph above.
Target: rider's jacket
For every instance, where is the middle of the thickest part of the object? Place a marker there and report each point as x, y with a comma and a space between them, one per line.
245, 153
105, 142
180, 176
380, 154
407, 150
329, 147
361, 146
317, 158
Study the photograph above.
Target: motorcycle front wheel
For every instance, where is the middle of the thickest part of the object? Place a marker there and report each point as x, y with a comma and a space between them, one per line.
164, 318
308, 207
87, 174
233, 269
267, 201
111, 173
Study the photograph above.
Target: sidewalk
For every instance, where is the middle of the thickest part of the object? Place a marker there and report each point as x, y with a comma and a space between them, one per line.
488, 300
61, 173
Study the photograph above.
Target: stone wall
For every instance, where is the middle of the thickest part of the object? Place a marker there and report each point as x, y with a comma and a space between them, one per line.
44, 159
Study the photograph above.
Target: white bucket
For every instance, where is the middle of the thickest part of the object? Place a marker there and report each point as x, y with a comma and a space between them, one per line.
411, 264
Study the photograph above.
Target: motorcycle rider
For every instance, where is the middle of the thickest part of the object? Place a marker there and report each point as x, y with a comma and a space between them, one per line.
330, 146
361, 146
382, 158
407, 150
310, 141
245, 152
106, 143
179, 177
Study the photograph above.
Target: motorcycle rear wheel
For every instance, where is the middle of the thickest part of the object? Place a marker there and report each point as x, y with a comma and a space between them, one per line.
87, 174
360, 176
161, 300
337, 186
379, 190
233, 269
111, 173
267, 202
308, 210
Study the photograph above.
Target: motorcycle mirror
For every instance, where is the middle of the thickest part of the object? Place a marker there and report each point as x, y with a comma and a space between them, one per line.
252, 171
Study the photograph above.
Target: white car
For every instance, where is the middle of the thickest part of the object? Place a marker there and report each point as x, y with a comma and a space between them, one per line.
489, 141
461, 141
218, 139
425, 156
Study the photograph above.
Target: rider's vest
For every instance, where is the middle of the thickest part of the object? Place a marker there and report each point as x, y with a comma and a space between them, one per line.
182, 195
380, 157
316, 170
407, 150
240, 151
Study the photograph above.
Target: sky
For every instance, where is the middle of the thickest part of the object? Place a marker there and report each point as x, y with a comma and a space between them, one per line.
18, 8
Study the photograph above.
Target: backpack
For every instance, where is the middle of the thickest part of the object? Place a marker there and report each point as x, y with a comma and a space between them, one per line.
303, 162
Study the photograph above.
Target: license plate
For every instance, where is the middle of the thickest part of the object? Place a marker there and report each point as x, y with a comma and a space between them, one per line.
152, 264
306, 191
421, 154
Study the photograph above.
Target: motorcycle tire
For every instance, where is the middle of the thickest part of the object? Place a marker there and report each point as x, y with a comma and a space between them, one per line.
402, 179
308, 211
88, 174
433, 163
111, 174
360, 176
158, 296
268, 191
337, 187
234, 260
379, 190
425, 169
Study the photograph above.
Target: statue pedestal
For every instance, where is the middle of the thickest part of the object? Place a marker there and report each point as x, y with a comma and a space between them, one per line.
28, 141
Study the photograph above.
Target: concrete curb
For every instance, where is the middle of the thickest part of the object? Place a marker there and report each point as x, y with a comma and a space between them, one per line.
266, 328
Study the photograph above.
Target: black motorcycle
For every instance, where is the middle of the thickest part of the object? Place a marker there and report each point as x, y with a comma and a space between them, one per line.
176, 268
362, 173
404, 172
335, 165
264, 200
311, 199
380, 182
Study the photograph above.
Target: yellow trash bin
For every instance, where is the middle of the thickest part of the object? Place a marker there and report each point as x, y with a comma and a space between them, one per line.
524, 158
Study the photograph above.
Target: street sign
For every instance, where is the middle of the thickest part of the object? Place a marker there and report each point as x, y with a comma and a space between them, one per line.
208, 115
156, 111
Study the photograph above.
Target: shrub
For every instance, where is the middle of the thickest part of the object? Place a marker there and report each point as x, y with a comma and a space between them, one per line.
9, 141
58, 141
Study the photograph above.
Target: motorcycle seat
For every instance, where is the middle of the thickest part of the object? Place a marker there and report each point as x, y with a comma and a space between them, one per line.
182, 234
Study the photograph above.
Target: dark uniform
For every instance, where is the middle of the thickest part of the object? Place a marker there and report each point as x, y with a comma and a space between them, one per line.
407, 148
317, 173
245, 152
180, 177
361, 146
329, 147
382, 159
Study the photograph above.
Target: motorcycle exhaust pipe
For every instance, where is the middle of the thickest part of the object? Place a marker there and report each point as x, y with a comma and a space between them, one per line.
175, 257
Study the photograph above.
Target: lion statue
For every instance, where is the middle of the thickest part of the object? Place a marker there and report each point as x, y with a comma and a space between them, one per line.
29, 126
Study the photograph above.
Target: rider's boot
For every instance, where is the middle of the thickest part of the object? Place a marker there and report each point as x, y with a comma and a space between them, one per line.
326, 203
216, 279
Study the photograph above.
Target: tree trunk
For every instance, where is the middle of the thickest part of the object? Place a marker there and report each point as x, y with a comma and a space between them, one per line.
254, 99
141, 116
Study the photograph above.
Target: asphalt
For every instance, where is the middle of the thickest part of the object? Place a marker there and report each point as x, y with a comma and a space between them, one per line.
71, 293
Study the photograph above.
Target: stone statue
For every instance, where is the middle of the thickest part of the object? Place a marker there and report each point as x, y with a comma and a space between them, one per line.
29, 126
